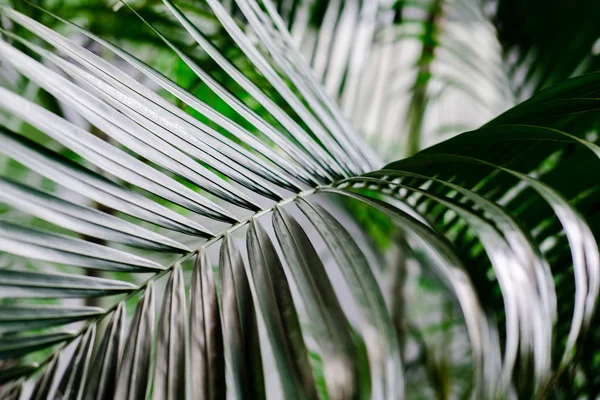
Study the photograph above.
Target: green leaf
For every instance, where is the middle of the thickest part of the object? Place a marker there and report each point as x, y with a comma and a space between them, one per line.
173, 118
458, 160
276, 307
207, 362
318, 153
143, 137
12, 373
334, 133
27, 317
101, 153
73, 380
540, 44
43, 245
134, 369
20, 283
92, 185
169, 370
41, 390
240, 329
327, 322
448, 268
103, 374
15, 346
83, 220
378, 330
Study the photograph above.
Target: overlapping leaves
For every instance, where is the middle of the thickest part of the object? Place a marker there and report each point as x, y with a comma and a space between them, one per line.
511, 198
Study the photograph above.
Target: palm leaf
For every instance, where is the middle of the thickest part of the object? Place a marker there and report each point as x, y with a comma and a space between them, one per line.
240, 330
331, 329
103, 371
134, 368
502, 217
72, 383
399, 68
539, 43
206, 338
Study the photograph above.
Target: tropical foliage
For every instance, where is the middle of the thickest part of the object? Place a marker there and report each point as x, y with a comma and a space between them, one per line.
188, 209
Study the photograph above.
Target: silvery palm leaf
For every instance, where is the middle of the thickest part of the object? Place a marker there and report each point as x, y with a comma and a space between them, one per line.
212, 249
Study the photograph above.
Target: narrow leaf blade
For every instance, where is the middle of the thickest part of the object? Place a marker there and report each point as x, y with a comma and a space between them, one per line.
18, 346
103, 375
132, 383
80, 219
279, 314
73, 381
206, 338
47, 246
240, 329
27, 317
41, 390
22, 283
169, 372
328, 324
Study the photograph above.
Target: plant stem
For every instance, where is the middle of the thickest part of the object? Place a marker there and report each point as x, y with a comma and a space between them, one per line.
419, 100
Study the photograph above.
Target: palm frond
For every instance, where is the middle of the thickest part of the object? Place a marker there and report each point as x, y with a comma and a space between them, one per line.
534, 48
503, 218
398, 68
